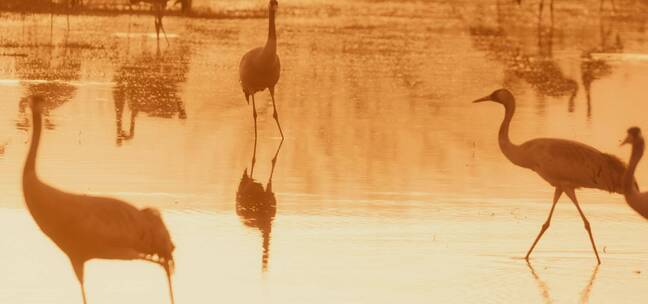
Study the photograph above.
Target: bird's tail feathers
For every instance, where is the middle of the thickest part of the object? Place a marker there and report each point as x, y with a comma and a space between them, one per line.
160, 239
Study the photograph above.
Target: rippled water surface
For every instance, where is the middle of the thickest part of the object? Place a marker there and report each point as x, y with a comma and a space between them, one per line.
389, 187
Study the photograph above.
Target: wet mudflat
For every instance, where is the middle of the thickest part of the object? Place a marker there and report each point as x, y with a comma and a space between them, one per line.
389, 187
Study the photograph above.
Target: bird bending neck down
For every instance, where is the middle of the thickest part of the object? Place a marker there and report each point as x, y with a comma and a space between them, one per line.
90, 227
637, 201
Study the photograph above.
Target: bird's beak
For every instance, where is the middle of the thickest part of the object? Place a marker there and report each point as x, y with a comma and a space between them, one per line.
485, 98
627, 140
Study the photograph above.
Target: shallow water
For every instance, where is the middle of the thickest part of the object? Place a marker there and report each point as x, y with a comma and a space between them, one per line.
389, 187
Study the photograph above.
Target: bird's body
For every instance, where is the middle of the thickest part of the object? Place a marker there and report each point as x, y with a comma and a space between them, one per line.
572, 165
90, 227
566, 165
260, 69
636, 200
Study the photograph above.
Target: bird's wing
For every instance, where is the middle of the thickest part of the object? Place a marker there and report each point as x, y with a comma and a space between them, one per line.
572, 164
111, 225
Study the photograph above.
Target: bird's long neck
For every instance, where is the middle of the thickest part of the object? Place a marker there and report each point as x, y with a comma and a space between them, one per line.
628, 178
270, 48
29, 172
509, 149
637, 201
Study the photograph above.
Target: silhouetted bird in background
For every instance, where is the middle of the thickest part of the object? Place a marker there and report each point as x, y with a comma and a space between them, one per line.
89, 227
260, 69
566, 165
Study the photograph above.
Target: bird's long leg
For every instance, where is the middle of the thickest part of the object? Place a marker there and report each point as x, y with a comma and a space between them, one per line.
78, 270
159, 14
167, 269
572, 196
545, 226
275, 115
254, 114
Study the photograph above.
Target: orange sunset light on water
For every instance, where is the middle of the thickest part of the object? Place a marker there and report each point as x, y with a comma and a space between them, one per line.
294, 151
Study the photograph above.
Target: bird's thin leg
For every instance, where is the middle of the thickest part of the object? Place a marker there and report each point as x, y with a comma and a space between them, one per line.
275, 115
254, 114
78, 270
167, 269
545, 226
572, 196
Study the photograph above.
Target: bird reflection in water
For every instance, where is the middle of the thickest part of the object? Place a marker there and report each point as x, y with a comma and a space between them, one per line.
593, 68
47, 71
544, 288
539, 69
257, 206
150, 83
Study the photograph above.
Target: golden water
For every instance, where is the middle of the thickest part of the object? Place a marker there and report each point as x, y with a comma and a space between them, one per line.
390, 186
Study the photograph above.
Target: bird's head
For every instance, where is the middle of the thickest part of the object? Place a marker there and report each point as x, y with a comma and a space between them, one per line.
634, 137
502, 96
274, 5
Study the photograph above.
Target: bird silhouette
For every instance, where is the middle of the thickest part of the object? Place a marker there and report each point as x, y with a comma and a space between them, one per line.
260, 69
637, 200
564, 164
257, 206
150, 83
89, 227
158, 8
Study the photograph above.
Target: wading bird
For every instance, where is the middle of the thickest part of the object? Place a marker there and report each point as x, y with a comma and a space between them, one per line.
89, 227
566, 165
260, 68
637, 200
158, 7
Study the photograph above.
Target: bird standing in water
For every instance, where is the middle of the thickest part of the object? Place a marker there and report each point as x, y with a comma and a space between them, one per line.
260, 68
566, 165
637, 200
90, 227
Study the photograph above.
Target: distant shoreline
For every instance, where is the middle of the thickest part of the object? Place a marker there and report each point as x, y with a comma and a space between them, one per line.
198, 12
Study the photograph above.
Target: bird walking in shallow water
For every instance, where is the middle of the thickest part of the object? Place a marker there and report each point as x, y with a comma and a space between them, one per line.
637, 200
260, 69
566, 165
90, 227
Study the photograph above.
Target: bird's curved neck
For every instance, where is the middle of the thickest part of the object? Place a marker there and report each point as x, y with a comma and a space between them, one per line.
509, 149
271, 44
30, 164
637, 201
628, 178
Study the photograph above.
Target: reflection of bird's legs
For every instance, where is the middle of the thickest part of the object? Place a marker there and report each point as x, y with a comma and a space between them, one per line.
274, 161
572, 195
541, 284
545, 226
586, 292
275, 115
254, 114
